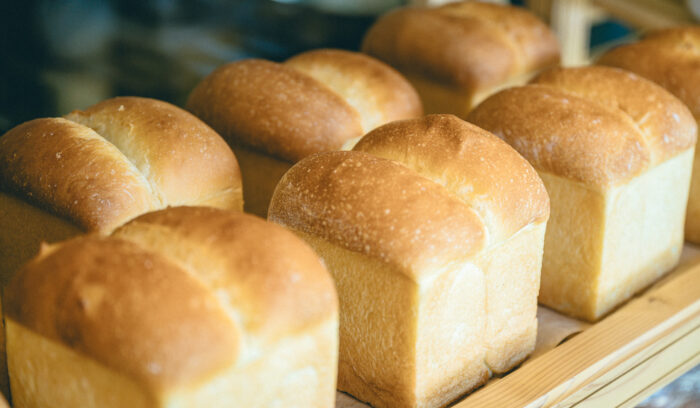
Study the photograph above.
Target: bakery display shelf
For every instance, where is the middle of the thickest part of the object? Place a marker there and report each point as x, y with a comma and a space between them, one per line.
617, 362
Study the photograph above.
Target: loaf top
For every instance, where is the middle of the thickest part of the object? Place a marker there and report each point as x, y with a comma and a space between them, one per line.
596, 125
379, 208
474, 165
375, 90
118, 159
175, 296
669, 57
417, 194
314, 102
472, 45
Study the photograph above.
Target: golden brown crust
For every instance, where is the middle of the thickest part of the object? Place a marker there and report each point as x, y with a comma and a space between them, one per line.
401, 218
378, 92
476, 166
259, 103
277, 288
118, 159
669, 57
175, 296
69, 170
666, 124
451, 44
595, 125
130, 309
184, 160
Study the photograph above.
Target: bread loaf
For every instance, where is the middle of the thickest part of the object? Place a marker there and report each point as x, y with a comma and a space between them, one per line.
615, 152
436, 259
275, 114
457, 54
671, 58
179, 308
96, 169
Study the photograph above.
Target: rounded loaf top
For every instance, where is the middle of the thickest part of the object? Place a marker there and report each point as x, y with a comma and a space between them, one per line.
473, 45
73, 172
175, 296
379, 208
669, 57
183, 159
473, 164
314, 102
597, 125
378, 92
118, 159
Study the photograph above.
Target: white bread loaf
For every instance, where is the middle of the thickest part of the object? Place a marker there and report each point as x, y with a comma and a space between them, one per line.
458, 54
436, 259
276, 114
96, 169
179, 308
671, 58
615, 152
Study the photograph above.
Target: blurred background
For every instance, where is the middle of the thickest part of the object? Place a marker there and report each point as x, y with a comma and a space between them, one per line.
57, 56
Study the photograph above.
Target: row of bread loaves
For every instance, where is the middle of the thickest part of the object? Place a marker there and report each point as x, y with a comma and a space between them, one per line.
273, 115
184, 307
95, 170
614, 150
436, 232
671, 58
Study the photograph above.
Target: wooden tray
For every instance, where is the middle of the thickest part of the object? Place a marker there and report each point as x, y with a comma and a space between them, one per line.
617, 362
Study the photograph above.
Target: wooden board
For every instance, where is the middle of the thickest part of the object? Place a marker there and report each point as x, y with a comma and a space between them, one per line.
617, 362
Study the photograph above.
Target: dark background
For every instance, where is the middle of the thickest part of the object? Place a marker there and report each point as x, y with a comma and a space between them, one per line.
57, 56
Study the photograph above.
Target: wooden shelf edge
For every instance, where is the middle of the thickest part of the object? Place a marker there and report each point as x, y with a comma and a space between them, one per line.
628, 362
649, 375
661, 382
592, 359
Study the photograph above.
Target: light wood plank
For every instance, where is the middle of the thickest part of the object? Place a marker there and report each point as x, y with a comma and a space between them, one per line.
572, 24
646, 374
627, 362
624, 339
663, 381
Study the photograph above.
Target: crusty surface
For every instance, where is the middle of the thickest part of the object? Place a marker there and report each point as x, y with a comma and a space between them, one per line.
175, 296
182, 158
594, 125
71, 171
478, 167
274, 108
401, 218
378, 92
272, 295
131, 309
451, 43
117, 159
669, 57
666, 124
